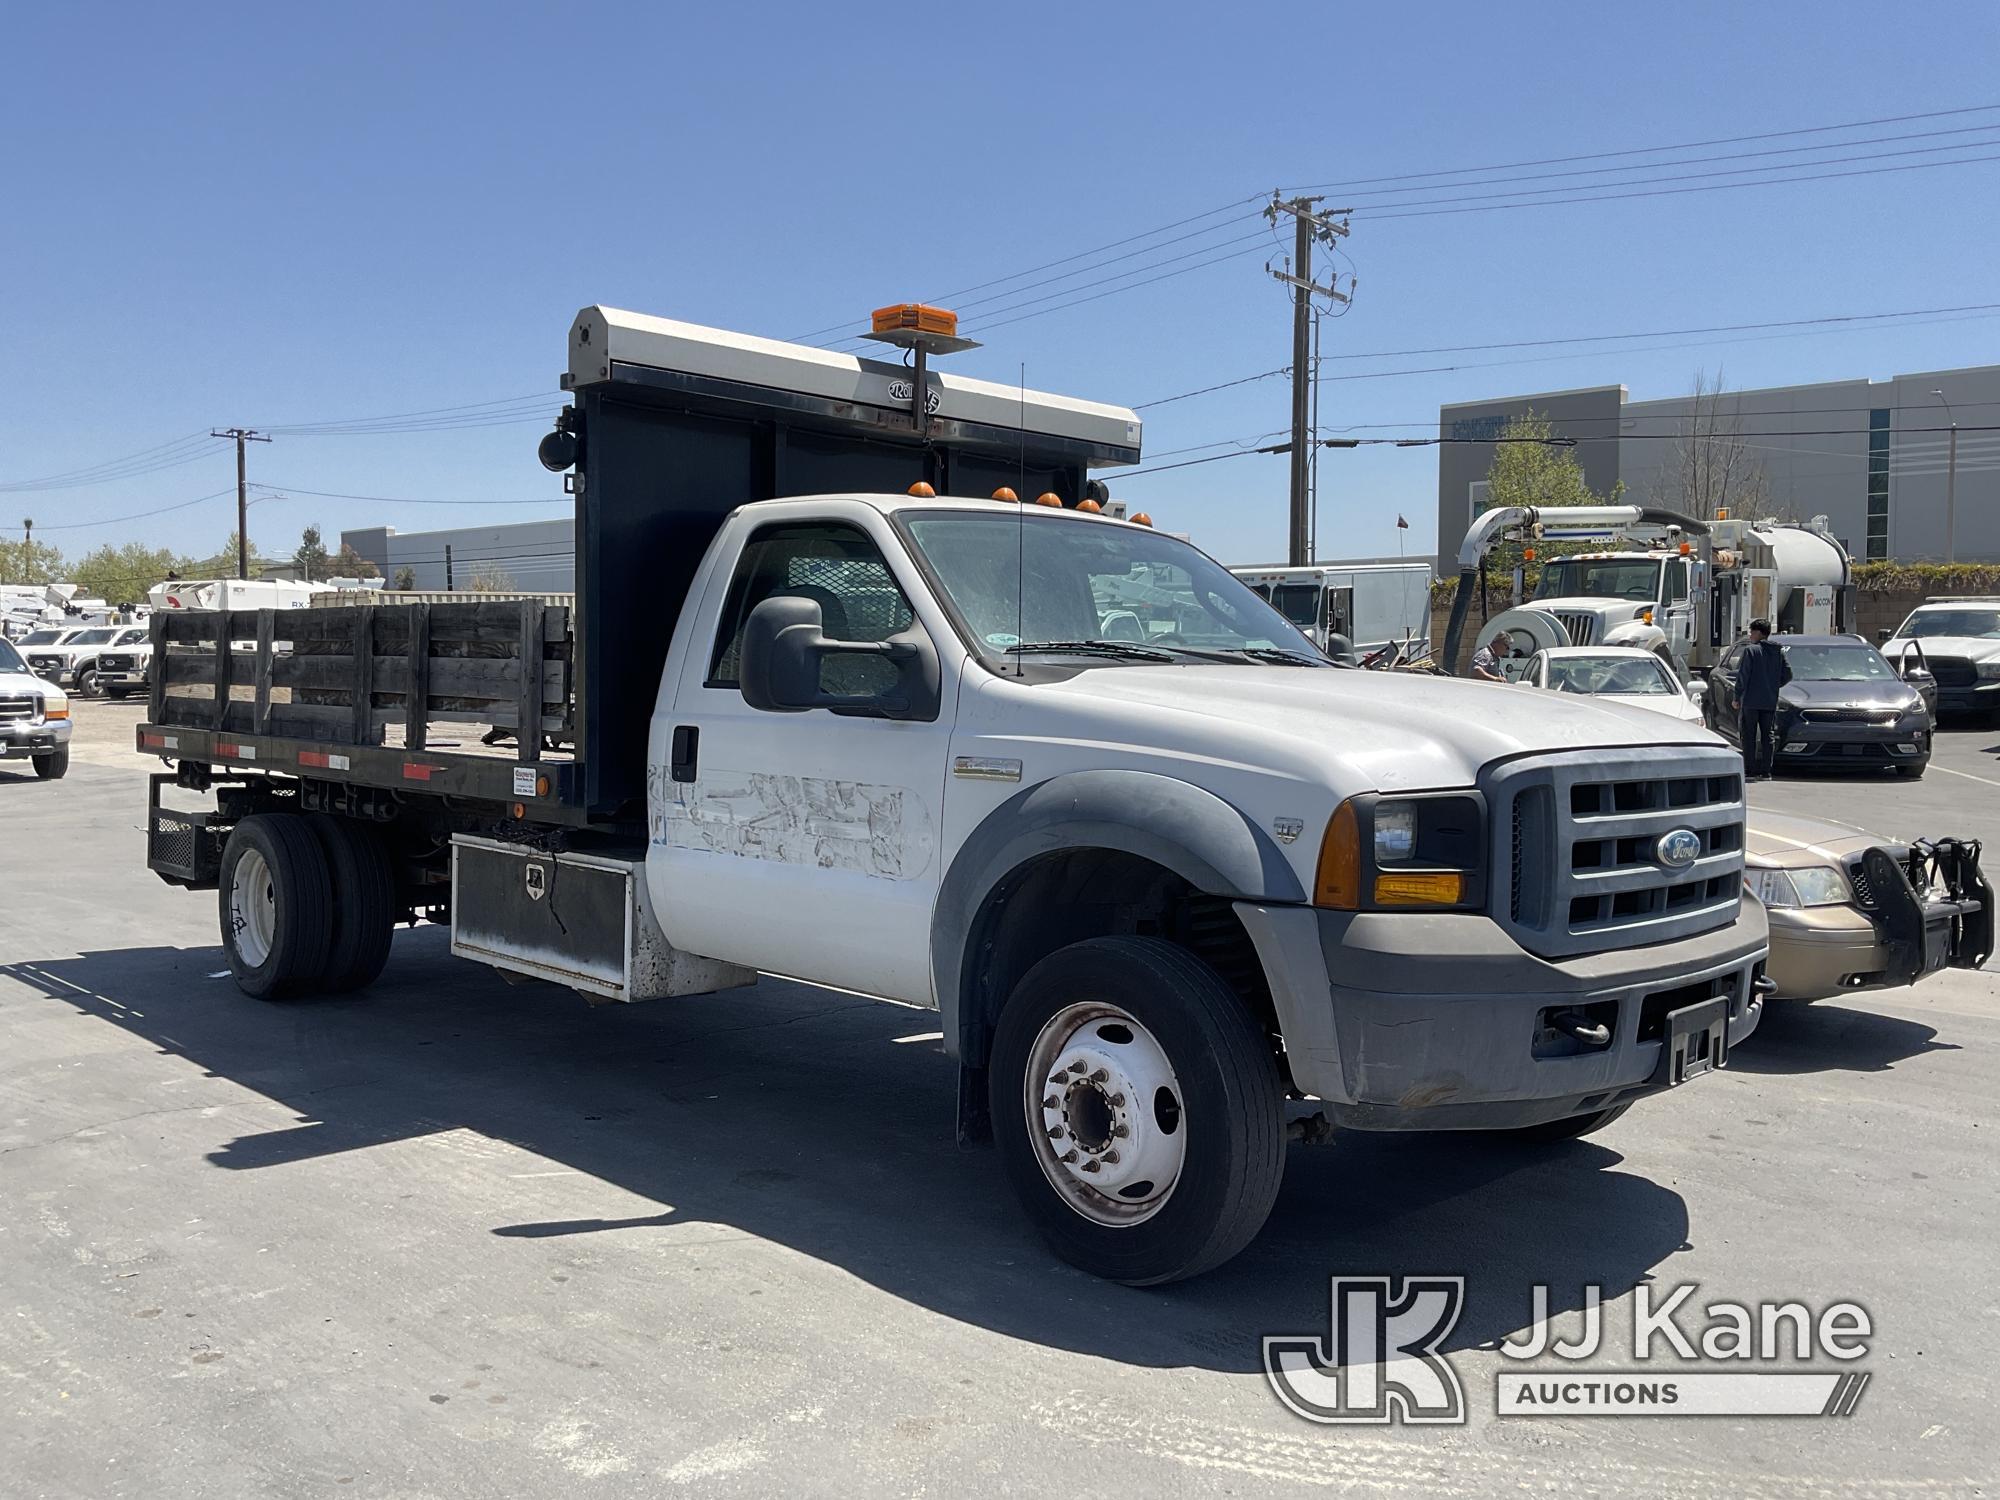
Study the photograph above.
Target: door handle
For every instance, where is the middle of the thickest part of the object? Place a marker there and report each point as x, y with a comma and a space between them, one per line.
686, 744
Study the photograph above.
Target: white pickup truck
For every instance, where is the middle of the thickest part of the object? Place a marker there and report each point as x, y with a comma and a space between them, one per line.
1167, 894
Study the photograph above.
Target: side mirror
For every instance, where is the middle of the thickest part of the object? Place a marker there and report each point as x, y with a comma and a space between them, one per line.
1882, 637
1697, 689
785, 645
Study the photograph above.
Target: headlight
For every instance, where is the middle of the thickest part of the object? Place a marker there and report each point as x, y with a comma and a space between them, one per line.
1386, 853
1988, 671
1816, 885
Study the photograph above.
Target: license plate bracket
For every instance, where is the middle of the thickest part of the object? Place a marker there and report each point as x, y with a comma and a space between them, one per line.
1696, 1041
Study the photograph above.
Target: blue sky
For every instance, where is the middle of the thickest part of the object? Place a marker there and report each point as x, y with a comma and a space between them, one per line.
285, 215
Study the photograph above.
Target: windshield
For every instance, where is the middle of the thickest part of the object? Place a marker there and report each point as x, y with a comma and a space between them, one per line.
1601, 578
1623, 675
10, 659
1838, 664
92, 637
1929, 622
41, 637
1019, 582
1297, 602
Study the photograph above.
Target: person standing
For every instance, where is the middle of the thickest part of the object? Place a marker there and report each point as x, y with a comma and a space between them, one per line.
1760, 673
1486, 660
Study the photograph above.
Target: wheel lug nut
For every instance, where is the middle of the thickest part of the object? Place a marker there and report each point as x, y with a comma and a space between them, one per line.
1079, 1066
1069, 1155
1055, 1133
1090, 1166
1099, 1076
1059, 1078
1117, 1101
1111, 1158
1119, 1132
1051, 1102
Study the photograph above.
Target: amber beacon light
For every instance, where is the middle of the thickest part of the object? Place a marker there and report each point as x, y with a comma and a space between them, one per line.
914, 317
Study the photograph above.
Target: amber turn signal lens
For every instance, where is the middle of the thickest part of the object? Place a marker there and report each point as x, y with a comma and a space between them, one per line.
56, 713
1007, 495
1445, 888
520, 810
1338, 881
1049, 497
922, 491
1090, 506
1142, 519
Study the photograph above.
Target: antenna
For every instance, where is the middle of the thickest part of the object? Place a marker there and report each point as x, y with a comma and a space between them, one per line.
1021, 528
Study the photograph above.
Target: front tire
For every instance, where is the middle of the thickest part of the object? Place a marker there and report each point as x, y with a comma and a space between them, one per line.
275, 902
85, 682
1138, 1110
52, 766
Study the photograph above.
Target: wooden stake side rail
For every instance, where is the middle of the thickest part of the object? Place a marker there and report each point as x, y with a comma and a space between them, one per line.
352, 672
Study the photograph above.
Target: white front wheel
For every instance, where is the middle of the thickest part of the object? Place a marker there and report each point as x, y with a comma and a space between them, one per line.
1111, 1113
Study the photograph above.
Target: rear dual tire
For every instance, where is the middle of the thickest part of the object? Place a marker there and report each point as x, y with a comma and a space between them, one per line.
306, 905
1138, 1110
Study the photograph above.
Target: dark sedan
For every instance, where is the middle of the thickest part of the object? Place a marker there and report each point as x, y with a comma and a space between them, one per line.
1844, 707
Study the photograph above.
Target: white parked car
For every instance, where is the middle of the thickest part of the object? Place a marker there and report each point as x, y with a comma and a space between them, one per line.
34, 717
1616, 674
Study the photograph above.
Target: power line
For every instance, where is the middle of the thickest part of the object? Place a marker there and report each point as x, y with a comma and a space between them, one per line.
1525, 193
399, 499
138, 515
1731, 140
1205, 390
1713, 187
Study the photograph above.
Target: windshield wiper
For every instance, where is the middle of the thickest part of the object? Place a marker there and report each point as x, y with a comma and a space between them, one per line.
1127, 649
1280, 656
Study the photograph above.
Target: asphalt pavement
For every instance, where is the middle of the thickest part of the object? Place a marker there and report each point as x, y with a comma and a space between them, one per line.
455, 1237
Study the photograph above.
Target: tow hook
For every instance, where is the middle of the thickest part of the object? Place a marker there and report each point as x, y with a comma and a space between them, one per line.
1765, 986
1572, 1024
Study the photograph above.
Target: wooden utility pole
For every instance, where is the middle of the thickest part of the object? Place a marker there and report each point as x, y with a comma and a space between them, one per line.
242, 435
1307, 227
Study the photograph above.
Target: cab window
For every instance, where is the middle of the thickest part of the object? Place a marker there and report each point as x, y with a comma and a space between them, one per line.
840, 569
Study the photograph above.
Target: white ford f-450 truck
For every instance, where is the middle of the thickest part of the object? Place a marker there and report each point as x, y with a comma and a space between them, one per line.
1176, 893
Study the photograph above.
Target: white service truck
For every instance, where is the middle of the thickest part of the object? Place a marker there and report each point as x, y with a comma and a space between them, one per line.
1175, 899
1378, 607
1681, 588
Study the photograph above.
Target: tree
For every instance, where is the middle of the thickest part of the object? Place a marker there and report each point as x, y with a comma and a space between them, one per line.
312, 558
122, 575
347, 563
222, 564
406, 578
1711, 468
491, 578
30, 562
1530, 468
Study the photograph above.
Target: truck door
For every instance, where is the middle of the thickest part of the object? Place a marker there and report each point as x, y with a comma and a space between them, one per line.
1677, 609
803, 843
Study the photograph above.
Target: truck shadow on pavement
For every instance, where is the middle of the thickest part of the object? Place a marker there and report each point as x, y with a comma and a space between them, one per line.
798, 1116
1828, 1037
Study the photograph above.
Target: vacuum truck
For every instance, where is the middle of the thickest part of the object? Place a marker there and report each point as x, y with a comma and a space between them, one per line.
1667, 583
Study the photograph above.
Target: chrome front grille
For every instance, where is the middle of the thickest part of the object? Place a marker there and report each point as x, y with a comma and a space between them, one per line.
21, 706
1581, 625
1583, 863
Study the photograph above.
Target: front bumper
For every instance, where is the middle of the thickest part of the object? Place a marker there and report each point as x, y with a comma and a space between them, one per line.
1442, 1022
1818, 951
21, 738
1977, 697
1822, 743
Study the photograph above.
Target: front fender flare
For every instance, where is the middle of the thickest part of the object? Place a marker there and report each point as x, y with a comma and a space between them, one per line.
1172, 823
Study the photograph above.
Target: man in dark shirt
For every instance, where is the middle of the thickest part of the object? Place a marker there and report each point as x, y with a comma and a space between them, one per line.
1760, 673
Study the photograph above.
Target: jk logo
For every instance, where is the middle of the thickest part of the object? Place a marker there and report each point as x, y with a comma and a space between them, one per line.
1379, 1360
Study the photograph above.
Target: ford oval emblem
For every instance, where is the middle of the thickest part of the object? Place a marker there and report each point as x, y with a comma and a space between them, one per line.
1677, 850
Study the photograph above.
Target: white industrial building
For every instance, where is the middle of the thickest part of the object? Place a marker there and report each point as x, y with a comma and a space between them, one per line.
1873, 456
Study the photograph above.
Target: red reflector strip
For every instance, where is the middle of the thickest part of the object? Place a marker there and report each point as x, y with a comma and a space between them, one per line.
159, 742
236, 752
417, 771
323, 758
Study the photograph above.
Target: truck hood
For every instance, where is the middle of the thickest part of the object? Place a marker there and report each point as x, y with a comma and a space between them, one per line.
1596, 604
1972, 647
1400, 730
